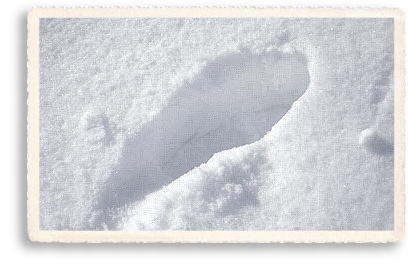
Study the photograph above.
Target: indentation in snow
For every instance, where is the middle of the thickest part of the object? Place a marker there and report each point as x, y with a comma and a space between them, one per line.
233, 101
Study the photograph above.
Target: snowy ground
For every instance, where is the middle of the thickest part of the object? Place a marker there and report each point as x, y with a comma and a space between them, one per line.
139, 119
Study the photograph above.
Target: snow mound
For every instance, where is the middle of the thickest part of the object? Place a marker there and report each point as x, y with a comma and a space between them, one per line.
374, 143
224, 186
379, 138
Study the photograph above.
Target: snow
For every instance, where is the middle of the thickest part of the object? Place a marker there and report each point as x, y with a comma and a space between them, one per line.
216, 124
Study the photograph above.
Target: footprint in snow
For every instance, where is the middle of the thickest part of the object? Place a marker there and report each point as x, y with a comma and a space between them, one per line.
233, 101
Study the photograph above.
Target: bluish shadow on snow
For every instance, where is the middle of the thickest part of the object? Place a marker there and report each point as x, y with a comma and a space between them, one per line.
372, 142
379, 138
235, 100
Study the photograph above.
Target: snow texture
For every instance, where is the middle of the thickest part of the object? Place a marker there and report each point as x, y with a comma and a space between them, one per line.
216, 124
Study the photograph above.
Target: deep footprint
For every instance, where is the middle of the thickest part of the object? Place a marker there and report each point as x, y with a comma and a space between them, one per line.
233, 101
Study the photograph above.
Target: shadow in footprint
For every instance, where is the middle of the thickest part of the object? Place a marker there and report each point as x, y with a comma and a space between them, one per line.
233, 101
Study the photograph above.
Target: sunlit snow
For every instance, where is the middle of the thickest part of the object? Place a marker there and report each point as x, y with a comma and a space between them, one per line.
216, 124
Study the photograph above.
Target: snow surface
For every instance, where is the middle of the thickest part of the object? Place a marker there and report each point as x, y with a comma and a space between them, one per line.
216, 124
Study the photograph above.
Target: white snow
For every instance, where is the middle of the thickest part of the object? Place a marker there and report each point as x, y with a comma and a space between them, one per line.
140, 117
